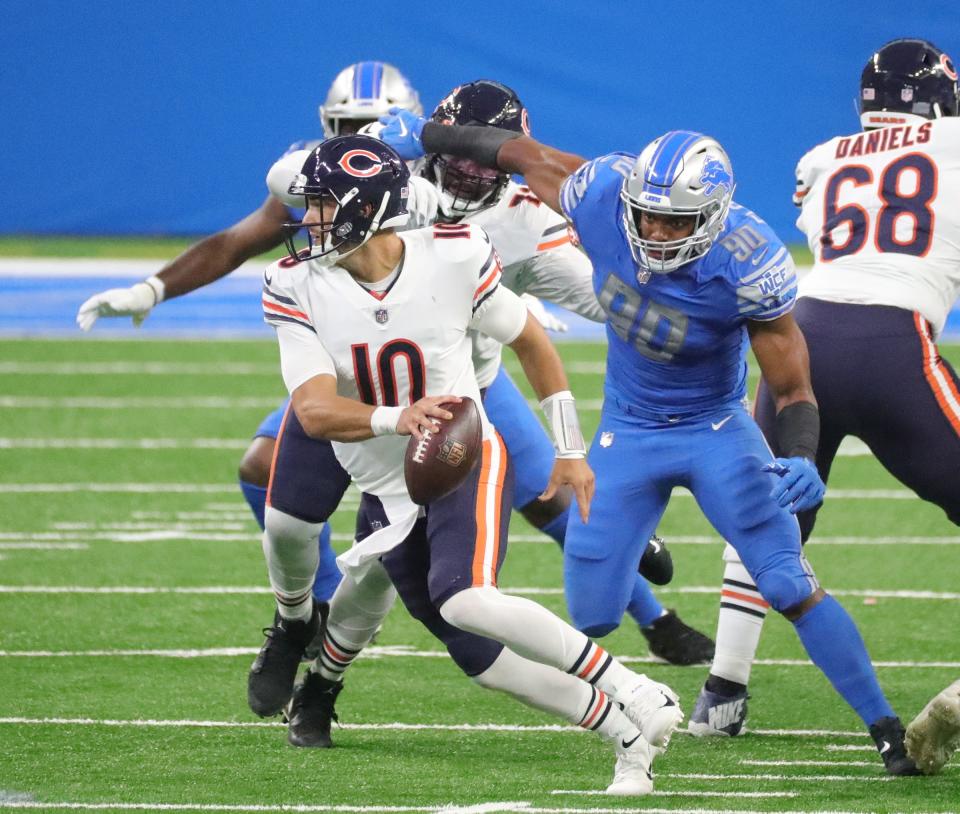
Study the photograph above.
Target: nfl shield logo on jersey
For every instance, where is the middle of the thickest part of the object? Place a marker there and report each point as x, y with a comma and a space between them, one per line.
381, 316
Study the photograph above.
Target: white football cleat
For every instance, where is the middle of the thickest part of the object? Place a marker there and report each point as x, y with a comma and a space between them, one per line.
631, 776
654, 709
934, 735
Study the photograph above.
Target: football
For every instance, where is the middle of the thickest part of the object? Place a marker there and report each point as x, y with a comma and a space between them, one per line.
436, 465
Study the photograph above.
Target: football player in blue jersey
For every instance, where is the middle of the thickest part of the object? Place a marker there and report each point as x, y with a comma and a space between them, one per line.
689, 280
358, 95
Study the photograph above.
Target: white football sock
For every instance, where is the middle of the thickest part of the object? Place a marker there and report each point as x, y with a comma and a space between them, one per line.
534, 633
551, 690
357, 610
292, 553
742, 611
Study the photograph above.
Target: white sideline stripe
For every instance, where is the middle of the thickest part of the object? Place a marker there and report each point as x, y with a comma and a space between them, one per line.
6, 546
123, 443
389, 651
134, 268
740, 794
230, 488
140, 369
397, 726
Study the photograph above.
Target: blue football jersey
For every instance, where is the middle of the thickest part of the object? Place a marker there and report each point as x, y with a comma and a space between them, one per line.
678, 341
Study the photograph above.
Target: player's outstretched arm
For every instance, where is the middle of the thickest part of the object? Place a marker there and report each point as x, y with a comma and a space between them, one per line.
544, 370
781, 352
544, 168
203, 263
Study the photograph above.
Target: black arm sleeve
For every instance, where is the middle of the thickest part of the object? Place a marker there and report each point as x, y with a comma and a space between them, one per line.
480, 144
798, 430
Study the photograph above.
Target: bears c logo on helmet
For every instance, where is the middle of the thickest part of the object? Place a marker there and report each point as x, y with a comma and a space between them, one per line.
360, 163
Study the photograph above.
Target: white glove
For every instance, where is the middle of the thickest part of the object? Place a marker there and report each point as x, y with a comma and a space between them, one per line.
543, 316
136, 302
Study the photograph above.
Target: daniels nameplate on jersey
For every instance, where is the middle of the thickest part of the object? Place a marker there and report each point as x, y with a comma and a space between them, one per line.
438, 464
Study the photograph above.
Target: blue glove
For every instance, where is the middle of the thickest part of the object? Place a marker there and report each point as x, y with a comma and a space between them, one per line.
800, 486
401, 130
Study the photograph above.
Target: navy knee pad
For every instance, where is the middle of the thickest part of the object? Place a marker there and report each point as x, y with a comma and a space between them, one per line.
471, 653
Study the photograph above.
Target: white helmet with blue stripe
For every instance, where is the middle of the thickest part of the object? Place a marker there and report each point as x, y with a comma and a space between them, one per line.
362, 93
680, 174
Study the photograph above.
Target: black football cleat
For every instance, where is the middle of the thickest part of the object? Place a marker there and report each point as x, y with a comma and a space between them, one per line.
656, 564
271, 677
888, 734
312, 710
671, 639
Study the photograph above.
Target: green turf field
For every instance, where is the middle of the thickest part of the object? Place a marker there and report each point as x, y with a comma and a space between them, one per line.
133, 591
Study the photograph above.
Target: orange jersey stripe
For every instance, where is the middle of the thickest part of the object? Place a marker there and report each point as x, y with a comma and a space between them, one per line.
491, 277
940, 381
493, 467
280, 309
552, 244
501, 475
481, 515
744, 597
276, 449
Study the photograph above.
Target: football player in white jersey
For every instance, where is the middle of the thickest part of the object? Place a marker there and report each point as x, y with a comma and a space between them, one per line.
540, 258
360, 93
879, 209
373, 331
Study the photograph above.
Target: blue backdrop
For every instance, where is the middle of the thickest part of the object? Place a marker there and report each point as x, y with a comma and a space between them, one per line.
162, 117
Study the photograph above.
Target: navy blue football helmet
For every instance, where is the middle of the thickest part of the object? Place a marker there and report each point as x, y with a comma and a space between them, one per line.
367, 184
465, 186
908, 81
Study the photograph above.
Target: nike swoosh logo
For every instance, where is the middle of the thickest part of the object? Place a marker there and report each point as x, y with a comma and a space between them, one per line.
267, 280
756, 260
402, 126
628, 744
885, 748
721, 422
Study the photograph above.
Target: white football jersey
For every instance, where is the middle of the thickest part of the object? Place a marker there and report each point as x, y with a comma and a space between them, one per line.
539, 257
394, 347
880, 213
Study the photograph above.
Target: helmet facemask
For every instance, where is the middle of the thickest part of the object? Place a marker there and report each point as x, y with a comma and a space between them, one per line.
465, 186
681, 174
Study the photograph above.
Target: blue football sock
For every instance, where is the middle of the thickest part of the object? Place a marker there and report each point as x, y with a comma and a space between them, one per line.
834, 644
644, 607
556, 528
328, 574
256, 497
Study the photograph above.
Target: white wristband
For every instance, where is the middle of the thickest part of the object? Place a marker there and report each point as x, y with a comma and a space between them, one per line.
561, 412
384, 420
158, 288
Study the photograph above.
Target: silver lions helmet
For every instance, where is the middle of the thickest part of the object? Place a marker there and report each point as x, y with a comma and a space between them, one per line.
680, 174
362, 93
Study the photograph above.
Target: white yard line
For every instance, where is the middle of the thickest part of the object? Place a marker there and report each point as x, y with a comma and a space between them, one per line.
441, 808
124, 443
231, 488
390, 651
739, 794
139, 369
785, 778
40, 546
375, 727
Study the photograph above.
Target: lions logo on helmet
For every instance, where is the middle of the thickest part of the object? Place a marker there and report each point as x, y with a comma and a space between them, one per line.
366, 183
682, 174
908, 81
362, 93
465, 186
